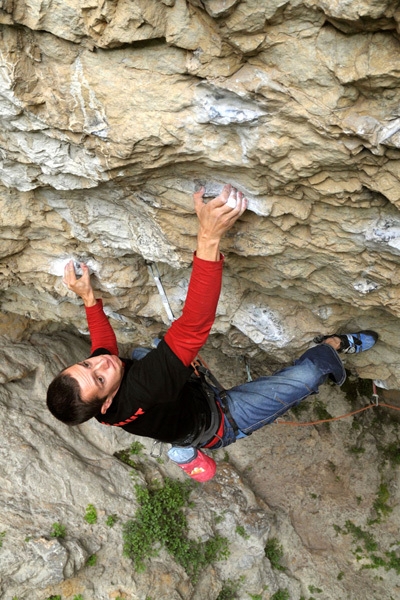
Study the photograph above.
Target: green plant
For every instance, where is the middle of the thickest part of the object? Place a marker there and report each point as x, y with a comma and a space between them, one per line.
360, 535
90, 514
321, 412
135, 449
314, 590
380, 504
280, 595
230, 589
391, 452
394, 562
78, 597
219, 518
300, 408
58, 597
340, 576
111, 520
355, 387
160, 519
58, 530
273, 551
92, 560
240, 530
357, 450
2, 536
367, 548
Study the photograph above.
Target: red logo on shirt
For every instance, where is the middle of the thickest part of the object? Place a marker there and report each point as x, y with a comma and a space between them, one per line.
137, 414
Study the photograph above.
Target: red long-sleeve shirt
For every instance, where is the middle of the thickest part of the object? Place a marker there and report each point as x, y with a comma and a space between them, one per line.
155, 398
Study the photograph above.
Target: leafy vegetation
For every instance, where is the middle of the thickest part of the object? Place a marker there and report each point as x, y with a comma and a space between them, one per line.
160, 520
380, 505
2, 536
314, 590
135, 449
58, 530
111, 520
355, 388
368, 548
391, 453
357, 450
92, 560
321, 412
240, 530
90, 514
274, 553
281, 595
230, 589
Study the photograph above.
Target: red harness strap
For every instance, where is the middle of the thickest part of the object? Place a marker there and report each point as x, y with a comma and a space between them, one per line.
217, 437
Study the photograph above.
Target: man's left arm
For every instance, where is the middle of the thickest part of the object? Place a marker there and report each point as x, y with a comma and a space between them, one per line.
189, 333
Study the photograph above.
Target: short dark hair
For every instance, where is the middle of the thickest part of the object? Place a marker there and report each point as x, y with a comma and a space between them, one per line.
65, 402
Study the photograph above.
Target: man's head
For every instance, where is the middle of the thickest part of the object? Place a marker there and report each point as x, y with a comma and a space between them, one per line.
85, 389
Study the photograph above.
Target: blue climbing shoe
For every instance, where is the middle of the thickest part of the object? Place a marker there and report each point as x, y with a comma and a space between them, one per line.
352, 343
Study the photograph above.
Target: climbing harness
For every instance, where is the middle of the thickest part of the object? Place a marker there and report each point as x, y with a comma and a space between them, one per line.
211, 384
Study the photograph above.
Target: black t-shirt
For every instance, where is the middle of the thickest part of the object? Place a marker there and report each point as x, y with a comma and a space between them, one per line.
158, 398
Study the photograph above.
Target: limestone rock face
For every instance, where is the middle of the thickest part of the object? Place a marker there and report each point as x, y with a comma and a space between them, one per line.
111, 115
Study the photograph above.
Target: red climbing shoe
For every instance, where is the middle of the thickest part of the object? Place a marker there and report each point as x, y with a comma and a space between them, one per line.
201, 467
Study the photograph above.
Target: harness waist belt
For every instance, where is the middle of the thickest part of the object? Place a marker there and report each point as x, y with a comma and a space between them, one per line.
208, 433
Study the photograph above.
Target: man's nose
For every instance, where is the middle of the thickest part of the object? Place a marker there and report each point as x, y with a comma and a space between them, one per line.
102, 362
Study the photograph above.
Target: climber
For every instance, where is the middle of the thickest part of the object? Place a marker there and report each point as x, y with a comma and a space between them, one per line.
155, 393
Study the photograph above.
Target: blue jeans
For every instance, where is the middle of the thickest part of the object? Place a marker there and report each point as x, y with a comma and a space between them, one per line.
260, 402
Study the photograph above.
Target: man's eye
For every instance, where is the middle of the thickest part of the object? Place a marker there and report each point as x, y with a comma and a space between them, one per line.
84, 363
100, 379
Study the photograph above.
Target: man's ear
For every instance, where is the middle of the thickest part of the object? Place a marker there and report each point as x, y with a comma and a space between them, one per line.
106, 404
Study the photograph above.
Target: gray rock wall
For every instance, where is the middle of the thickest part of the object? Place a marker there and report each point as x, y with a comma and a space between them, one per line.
111, 113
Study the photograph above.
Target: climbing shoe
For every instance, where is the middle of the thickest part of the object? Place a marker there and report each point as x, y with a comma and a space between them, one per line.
352, 343
201, 467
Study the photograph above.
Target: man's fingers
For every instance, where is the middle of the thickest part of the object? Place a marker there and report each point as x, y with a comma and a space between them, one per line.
198, 198
69, 273
241, 204
223, 196
233, 198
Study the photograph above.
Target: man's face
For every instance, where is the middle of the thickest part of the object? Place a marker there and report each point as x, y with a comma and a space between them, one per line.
98, 377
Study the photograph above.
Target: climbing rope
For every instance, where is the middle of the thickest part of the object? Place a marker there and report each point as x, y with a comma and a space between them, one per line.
374, 404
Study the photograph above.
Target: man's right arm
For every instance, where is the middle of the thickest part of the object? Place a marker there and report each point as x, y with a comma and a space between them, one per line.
101, 333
